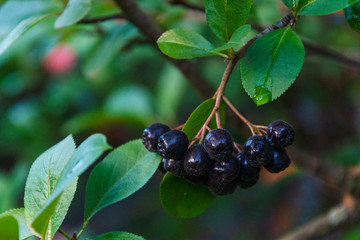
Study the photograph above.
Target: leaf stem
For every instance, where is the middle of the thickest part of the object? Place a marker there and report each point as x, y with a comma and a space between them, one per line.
219, 94
283, 22
62, 232
220, 54
82, 229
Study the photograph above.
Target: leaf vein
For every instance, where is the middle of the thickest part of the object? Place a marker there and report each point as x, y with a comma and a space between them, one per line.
277, 49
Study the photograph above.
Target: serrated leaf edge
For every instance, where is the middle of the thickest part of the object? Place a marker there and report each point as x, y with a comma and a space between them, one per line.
272, 99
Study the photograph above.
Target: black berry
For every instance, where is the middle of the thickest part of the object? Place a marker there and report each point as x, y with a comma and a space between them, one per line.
279, 162
258, 151
281, 134
175, 167
151, 135
173, 145
221, 189
249, 183
225, 172
197, 161
246, 172
219, 144
197, 180
161, 167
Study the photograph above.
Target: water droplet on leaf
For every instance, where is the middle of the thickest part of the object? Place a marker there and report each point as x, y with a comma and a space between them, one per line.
262, 95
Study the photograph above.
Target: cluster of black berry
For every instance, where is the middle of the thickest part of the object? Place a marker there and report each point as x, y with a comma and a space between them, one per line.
213, 163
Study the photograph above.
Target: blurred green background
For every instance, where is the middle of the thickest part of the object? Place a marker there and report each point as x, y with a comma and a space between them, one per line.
107, 78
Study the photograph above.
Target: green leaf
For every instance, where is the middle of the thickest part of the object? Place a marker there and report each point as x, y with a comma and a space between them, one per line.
57, 210
9, 227
117, 236
351, 2
317, 7
108, 48
291, 3
132, 102
183, 199
13, 225
237, 39
41, 182
124, 171
352, 16
20, 29
11, 186
226, 16
65, 167
351, 233
321, 7
75, 10
170, 90
199, 116
272, 64
184, 44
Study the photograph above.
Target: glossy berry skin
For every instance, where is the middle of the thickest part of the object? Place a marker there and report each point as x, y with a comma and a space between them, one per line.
281, 134
258, 151
161, 167
197, 180
221, 189
174, 166
173, 145
219, 144
249, 183
197, 161
246, 172
225, 172
279, 162
151, 134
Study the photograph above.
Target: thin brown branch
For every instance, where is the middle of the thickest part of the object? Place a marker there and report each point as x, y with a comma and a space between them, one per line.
149, 28
344, 179
309, 45
334, 55
283, 22
337, 218
101, 19
334, 175
324, 51
225, 78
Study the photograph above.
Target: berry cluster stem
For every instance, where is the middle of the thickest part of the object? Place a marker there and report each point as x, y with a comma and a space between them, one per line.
236, 147
180, 126
253, 128
220, 91
219, 94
